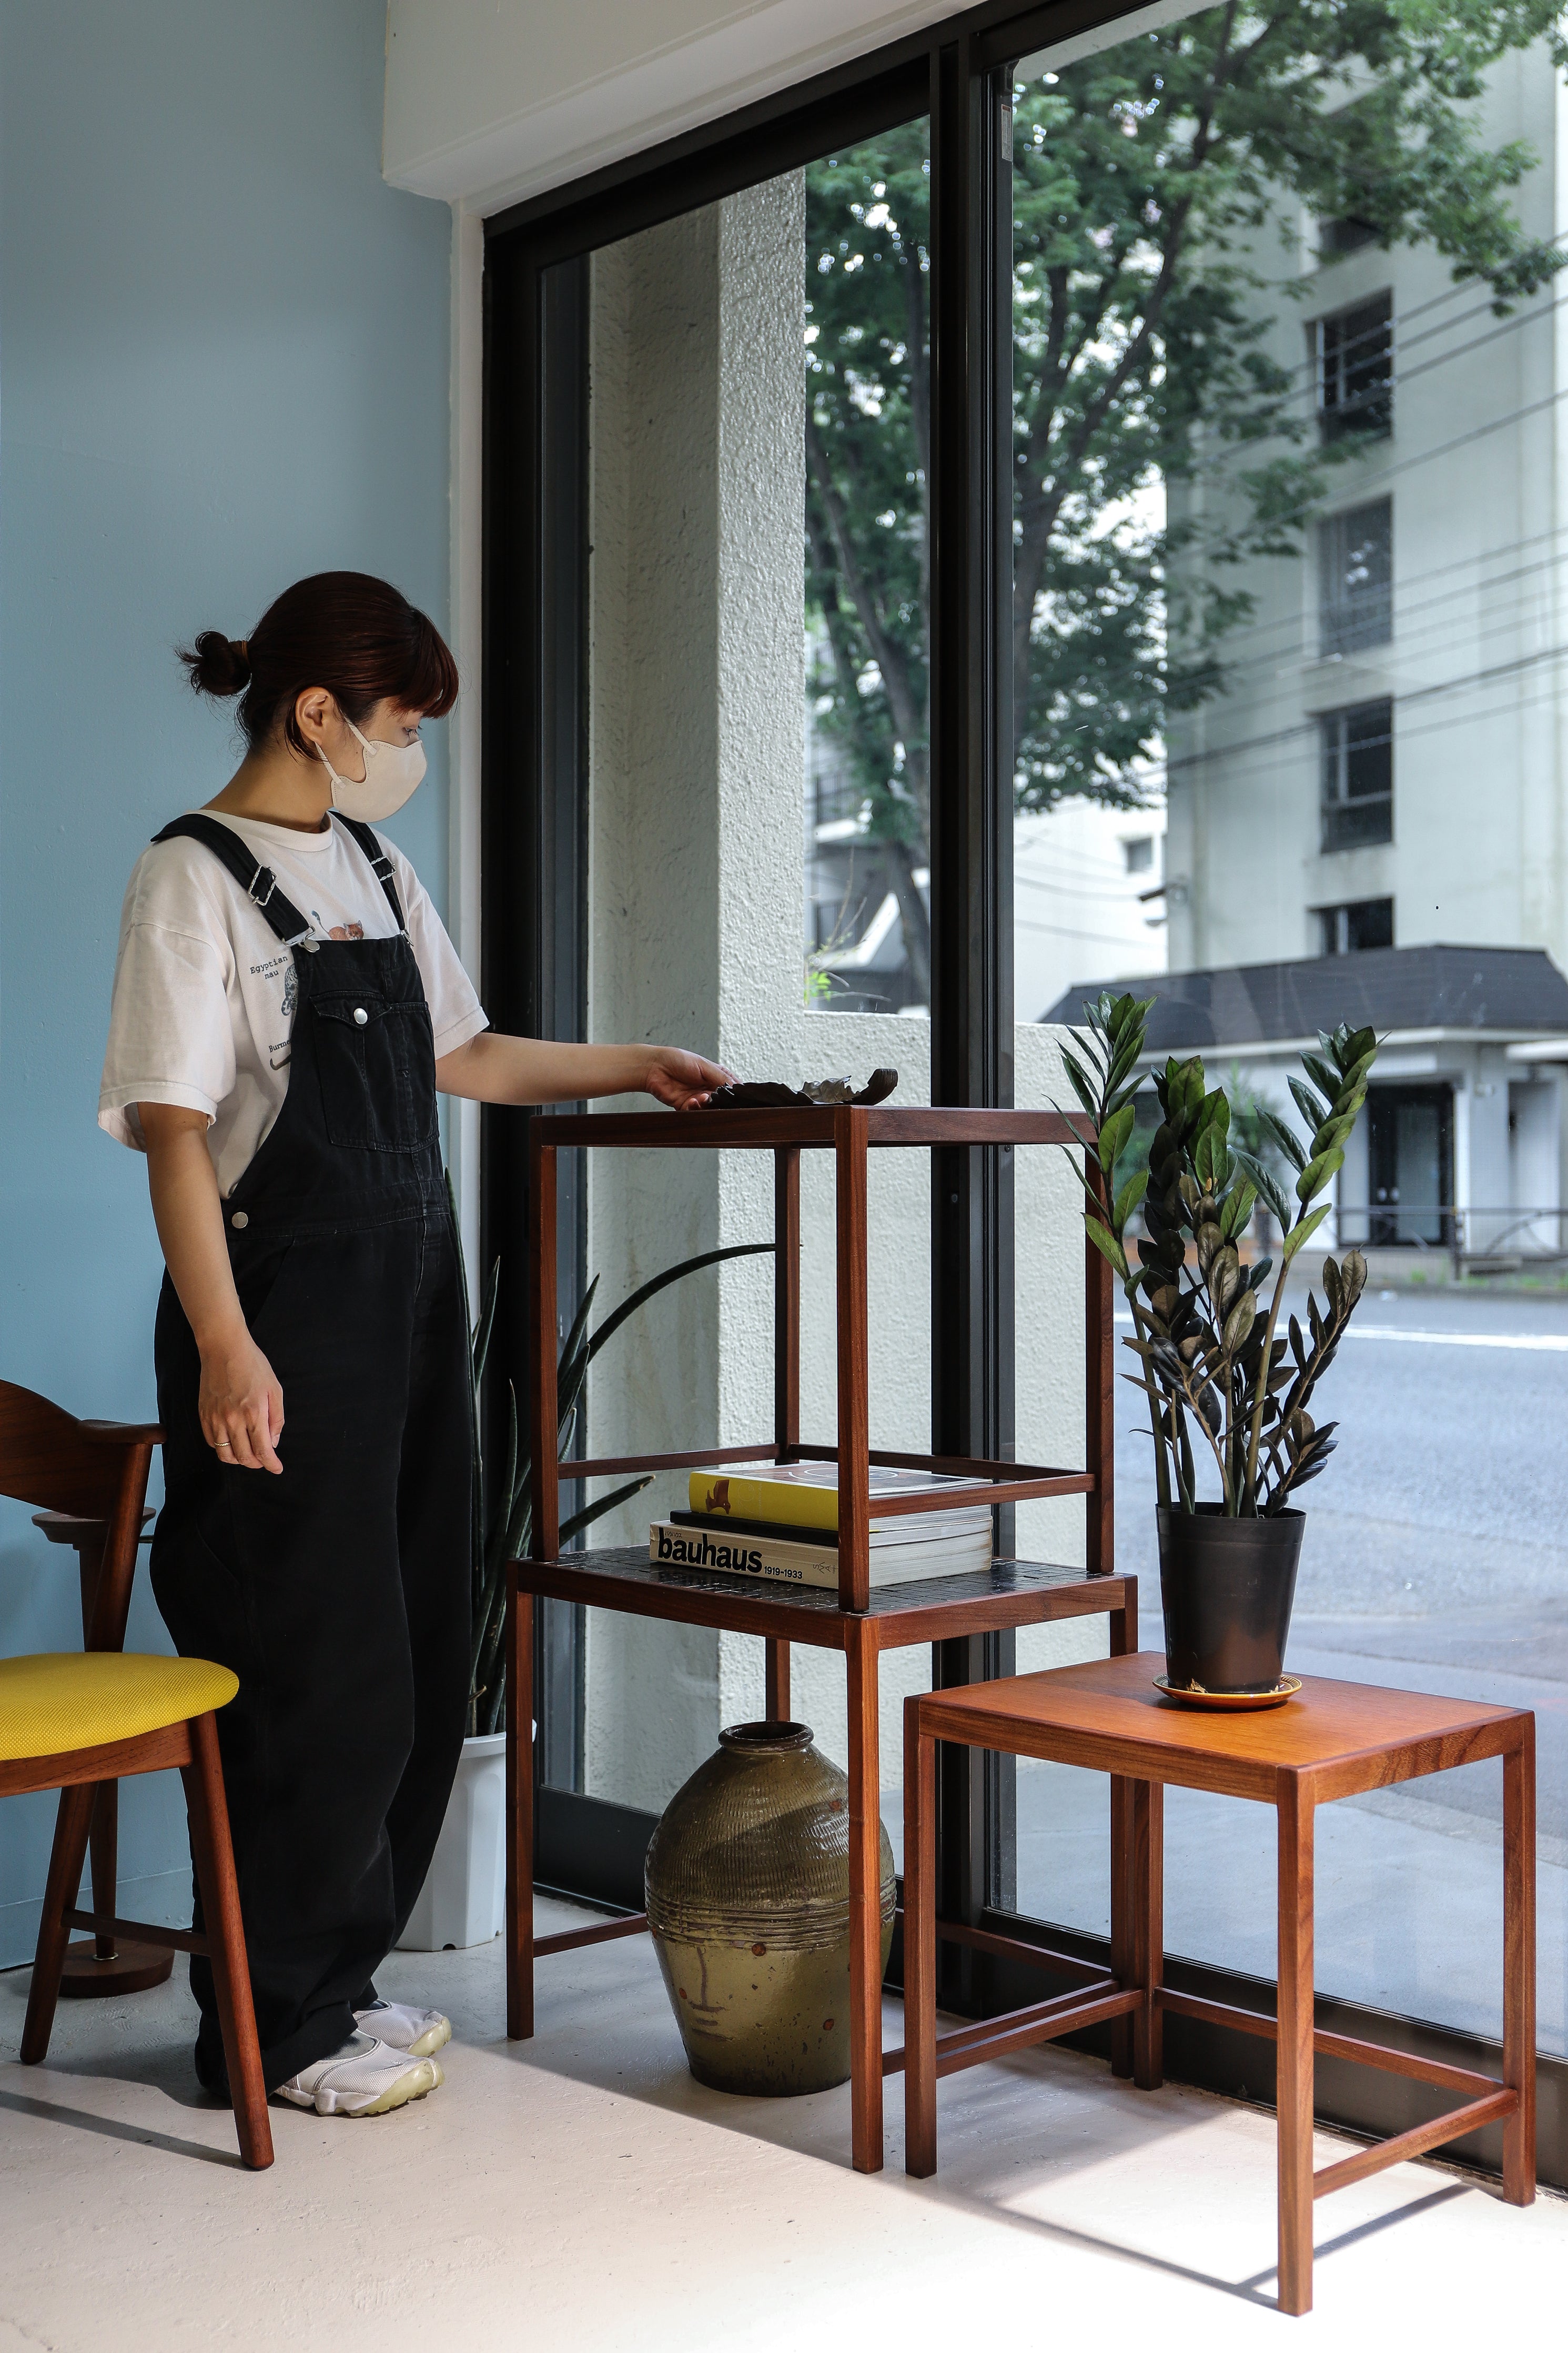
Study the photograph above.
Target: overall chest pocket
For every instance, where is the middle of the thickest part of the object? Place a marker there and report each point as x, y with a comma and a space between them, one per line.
376, 1058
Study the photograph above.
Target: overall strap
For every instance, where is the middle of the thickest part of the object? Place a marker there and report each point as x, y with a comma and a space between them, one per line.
380, 864
258, 882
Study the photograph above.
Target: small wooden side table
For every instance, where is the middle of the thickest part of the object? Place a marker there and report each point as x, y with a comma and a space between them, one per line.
1333, 1740
101, 1965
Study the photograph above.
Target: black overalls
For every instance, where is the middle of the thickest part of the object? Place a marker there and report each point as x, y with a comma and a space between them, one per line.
338, 1593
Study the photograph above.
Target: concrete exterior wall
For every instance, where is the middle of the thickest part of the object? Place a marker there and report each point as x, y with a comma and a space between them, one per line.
1475, 468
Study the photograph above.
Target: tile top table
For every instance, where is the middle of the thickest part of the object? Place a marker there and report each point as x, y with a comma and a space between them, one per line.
1332, 1740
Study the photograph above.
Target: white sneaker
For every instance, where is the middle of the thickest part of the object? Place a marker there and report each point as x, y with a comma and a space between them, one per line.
420, 2032
365, 2078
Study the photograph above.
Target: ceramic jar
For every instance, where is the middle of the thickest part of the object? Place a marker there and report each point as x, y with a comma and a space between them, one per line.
748, 1902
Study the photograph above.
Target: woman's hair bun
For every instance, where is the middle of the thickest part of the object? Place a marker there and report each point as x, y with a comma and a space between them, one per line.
217, 664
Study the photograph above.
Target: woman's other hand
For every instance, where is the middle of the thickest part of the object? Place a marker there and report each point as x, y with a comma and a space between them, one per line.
683, 1081
241, 1404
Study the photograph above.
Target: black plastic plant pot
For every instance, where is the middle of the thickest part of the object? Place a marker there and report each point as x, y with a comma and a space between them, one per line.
1227, 1588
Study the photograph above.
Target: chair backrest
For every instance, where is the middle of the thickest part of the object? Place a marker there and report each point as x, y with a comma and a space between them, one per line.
48, 1460
96, 1471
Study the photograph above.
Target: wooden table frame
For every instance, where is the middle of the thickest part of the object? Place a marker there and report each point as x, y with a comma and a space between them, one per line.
1335, 1741
855, 1621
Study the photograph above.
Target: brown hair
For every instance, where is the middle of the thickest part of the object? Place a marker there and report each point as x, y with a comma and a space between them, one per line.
355, 634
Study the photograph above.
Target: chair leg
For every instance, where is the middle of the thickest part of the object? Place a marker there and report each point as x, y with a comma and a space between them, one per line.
70, 1852
208, 1811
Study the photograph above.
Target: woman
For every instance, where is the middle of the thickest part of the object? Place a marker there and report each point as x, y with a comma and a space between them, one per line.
287, 1006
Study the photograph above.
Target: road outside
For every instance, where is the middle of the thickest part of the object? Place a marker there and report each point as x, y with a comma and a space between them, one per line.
1436, 1558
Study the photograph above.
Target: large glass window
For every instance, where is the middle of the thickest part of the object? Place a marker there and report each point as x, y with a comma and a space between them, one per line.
1245, 563
756, 418
868, 572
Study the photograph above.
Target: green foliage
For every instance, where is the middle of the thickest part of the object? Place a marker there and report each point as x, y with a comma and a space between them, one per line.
1210, 1361
1150, 182
503, 1504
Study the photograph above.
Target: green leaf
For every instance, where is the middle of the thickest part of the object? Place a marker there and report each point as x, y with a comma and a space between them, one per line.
648, 1291
1304, 1233
1129, 1198
1285, 1137
1086, 1094
1313, 1111
1328, 1081
1113, 1137
1109, 1247
1317, 1174
1269, 1191
1237, 1209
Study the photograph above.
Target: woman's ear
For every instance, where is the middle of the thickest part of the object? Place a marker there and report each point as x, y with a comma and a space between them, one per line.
314, 712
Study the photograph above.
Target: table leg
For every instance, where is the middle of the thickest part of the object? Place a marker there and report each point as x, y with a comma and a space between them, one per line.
1124, 1629
1123, 1915
1519, 1965
865, 1903
1293, 2094
776, 1681
1148, 1872
520, 1814
920, 1947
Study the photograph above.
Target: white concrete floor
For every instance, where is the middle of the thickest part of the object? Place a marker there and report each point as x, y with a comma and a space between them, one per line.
580, 2191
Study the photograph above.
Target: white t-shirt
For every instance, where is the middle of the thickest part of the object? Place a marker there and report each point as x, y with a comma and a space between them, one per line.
203, 989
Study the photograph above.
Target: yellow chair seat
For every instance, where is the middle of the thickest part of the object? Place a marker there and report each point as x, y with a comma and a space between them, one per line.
71, 1699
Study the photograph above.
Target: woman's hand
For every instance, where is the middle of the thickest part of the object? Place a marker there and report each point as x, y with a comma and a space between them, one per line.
682, 1080
241, 1403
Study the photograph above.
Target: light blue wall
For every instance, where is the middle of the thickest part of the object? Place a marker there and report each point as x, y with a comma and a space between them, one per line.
223, 365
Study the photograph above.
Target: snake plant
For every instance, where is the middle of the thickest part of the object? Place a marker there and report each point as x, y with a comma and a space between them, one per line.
502, 1511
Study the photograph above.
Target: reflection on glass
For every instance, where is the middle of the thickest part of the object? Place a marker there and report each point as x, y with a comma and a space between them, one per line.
1287, 547
868, 532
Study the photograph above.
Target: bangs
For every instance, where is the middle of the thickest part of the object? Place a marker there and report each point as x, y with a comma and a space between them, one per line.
429, 683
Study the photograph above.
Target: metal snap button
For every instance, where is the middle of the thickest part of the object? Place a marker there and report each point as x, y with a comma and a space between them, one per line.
239, 1220
361, 1017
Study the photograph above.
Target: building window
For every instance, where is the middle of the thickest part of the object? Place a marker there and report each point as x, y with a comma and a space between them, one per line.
1358, 776
1139, 854
1346, 234
1363, 923
1355, 584
1352, 354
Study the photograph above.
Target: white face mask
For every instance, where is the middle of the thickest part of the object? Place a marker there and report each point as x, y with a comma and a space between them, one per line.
392, 772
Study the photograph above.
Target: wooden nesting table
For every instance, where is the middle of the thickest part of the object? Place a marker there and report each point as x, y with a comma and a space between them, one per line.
859, 1622
1334, 1740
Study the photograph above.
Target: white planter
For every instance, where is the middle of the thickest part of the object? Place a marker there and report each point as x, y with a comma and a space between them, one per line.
463, 1900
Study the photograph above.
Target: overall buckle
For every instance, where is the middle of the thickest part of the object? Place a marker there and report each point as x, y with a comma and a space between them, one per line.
262, 874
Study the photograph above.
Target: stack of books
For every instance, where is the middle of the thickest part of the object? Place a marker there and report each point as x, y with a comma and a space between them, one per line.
779, 1523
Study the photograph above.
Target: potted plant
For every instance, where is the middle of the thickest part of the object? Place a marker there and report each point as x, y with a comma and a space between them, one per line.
1226, 1388
463, 1898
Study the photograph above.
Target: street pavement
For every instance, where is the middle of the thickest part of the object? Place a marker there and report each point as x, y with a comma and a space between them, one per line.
1436, 1558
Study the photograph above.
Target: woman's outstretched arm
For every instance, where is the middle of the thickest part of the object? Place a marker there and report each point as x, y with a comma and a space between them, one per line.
493, 1069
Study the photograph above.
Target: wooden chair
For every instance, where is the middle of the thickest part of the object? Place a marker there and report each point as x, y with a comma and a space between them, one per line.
78, 1721
93, 1476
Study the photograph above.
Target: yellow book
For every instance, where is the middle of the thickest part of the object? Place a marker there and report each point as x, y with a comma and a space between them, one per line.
806, 1495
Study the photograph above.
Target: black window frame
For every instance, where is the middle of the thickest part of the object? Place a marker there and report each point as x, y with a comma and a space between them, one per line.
1349, 819
1353, 368
1353, 619
1345, 926
534, 772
